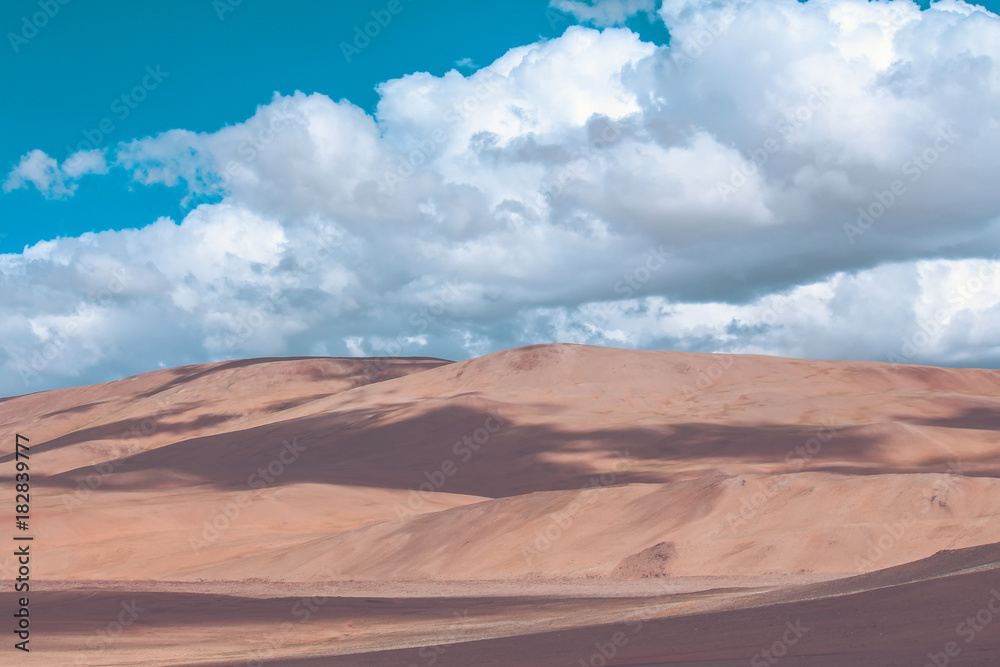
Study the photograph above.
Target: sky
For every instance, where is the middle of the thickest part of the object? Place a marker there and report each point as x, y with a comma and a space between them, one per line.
194, 181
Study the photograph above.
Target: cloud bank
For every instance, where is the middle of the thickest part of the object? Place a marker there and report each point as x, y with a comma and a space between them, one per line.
802, 179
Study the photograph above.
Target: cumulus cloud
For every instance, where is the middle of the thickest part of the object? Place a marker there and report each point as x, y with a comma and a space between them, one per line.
788, 178
932, 311
36, 168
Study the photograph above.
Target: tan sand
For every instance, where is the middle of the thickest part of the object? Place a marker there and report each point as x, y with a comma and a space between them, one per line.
540, 494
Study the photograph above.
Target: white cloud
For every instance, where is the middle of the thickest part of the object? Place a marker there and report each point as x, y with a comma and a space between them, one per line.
604, 13
935, 311
84, 162
48, 177
591, 188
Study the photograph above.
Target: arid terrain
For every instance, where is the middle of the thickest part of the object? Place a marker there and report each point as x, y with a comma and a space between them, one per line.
547, 505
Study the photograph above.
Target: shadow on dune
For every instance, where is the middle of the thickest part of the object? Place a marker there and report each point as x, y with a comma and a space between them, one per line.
185, 374
979, 418
128, 430
69, 611
408, 445
896, 625
134, 429
385, 368
76, 408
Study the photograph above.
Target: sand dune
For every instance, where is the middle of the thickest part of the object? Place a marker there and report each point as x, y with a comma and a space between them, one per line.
658, 485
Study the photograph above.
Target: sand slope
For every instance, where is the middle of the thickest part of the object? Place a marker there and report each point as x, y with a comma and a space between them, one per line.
552, 471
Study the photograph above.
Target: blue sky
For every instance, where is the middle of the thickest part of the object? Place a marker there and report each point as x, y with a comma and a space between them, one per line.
221, 61
196, 180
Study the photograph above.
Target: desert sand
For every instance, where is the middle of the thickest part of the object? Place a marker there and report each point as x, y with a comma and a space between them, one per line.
546, 505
